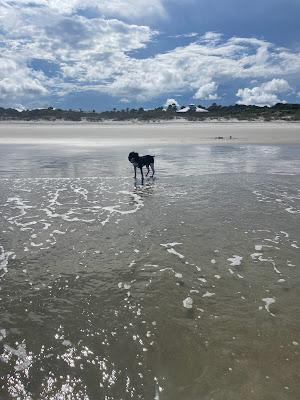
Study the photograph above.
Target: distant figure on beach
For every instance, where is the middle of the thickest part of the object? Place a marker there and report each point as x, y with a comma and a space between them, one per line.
222, 137
140, 162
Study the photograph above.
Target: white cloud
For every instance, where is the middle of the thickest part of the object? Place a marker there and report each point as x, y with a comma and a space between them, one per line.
185, 35
99, 54
201, 67
207, 92
276, 85
129, 9
171, 102
211, 37
83, 50
265, 94
67, 38
19, 82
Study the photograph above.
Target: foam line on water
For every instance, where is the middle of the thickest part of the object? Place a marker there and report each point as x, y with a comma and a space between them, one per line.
268, 301
173, 251
80, 190
172, 244
53, 200
138, 204
4, 260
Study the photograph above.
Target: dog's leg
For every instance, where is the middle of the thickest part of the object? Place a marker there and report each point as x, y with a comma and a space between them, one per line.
147, 170
134, 172
142, 175
152, 167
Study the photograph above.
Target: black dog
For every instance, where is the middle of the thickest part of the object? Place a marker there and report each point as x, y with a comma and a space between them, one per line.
140, 162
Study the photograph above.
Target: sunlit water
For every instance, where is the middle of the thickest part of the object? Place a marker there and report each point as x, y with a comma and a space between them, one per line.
95, 268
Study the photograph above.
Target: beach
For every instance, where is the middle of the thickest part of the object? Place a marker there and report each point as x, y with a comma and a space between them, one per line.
180, 132
186, 287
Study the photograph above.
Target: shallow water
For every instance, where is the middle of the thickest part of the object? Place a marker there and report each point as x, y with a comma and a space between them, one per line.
94, 269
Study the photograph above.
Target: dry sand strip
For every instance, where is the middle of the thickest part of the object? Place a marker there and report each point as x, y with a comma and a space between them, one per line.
129, 134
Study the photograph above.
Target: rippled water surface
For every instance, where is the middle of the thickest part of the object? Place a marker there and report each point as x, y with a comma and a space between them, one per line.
95, 270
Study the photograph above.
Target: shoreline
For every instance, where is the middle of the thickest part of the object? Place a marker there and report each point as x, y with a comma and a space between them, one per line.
144, 134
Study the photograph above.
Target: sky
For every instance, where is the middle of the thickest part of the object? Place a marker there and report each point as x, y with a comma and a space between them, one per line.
101, 54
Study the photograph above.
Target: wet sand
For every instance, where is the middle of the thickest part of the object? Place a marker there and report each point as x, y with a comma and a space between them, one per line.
112, 134
96, 270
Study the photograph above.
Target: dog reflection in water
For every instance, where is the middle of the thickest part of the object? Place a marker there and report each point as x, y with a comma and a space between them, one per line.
140, 162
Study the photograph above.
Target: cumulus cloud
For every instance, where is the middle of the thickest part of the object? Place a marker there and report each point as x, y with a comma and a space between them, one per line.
82, 50
98, 54
264, 95
65, 38
207, 92
201, 67
171, 102
276, 85
18, 82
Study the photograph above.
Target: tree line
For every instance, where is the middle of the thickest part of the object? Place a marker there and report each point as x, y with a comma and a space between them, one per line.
280, 111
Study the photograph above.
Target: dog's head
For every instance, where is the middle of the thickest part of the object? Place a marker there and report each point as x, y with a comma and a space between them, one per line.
133, 157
